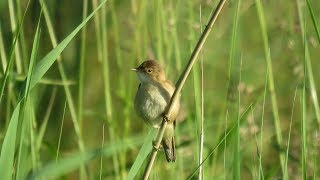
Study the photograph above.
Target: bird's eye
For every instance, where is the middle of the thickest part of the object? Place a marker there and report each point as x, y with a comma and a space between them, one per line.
149, 70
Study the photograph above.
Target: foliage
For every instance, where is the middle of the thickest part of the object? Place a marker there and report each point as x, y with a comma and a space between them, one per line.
67, 100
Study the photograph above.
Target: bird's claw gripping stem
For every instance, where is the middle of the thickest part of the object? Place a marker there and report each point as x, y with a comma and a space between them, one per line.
166, 118
154, 145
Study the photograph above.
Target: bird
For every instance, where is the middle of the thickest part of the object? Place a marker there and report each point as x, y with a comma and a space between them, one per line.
152, 98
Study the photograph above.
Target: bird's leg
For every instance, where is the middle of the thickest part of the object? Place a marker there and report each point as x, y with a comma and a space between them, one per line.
154, 144
166, 118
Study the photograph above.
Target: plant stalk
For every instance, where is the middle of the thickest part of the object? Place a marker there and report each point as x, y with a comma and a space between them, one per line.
179, 85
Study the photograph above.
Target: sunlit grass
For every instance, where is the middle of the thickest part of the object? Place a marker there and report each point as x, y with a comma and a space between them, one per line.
259, 57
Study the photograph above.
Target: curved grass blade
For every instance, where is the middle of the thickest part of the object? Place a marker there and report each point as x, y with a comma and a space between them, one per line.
8, 146
45, 63
9, 143
22, 121
8, 69
71, 163
313, 20
142, 155
65, 165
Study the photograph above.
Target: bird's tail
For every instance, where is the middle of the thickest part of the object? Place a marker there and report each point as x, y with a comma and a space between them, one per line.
168, 143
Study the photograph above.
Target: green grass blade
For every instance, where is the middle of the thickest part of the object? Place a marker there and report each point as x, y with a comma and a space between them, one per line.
34, 54
22, 40
44, 124
309, 71
289, 136
3, 56
23, 152
44, 81
68, 164
106, 75
82, 65
303, 130
142, 155
97, 24
17, 50
313, 89
68, 92
65, 165
11, 55
316, 28
235, 107
261, 174
225, 136
303, 102
61, 129
275, 110
45, 63
8, 146
102, 145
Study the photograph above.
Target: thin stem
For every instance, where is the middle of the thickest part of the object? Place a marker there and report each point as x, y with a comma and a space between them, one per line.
82, 65
102, 145
14, 28
261, 176
179, 85
289, 135
3, 55
271, 86
202, 111
61, 129
106, 81
11, 54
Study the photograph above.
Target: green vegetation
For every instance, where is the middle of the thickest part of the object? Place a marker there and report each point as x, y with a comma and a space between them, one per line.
66, 99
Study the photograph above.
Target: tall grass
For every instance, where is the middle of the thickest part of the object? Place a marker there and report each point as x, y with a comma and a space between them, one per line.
286, 176
11, 54
107, 88
308, 77
15, 29
261, 174
234, 100
17, 124
66, 97
275, 110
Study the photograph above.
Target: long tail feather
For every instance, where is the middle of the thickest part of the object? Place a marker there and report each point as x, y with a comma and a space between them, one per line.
169, 144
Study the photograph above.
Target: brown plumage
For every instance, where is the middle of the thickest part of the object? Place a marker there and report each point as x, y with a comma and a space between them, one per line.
152, 97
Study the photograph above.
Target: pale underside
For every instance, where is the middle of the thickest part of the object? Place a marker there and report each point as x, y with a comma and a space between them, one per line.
150, 103
152, 99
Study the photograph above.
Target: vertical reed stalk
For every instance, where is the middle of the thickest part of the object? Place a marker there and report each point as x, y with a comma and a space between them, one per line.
202, 107
3, 55
272, 91
14, 31
82, 64
70, 103
180, 84
107, 87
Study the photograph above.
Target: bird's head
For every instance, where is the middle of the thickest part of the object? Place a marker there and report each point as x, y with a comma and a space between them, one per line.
150, 71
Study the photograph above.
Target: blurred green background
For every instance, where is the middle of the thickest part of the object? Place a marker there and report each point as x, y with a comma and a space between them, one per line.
98, 89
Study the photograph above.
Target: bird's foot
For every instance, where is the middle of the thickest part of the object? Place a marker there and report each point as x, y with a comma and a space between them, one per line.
166, 118
154, 145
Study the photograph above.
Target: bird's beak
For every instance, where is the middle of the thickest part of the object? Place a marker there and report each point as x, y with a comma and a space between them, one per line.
134, 69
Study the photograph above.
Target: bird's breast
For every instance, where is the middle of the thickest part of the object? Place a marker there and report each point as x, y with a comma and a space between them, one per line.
150, 103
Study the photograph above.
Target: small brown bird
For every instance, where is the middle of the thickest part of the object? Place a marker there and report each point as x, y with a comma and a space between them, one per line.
153, 96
